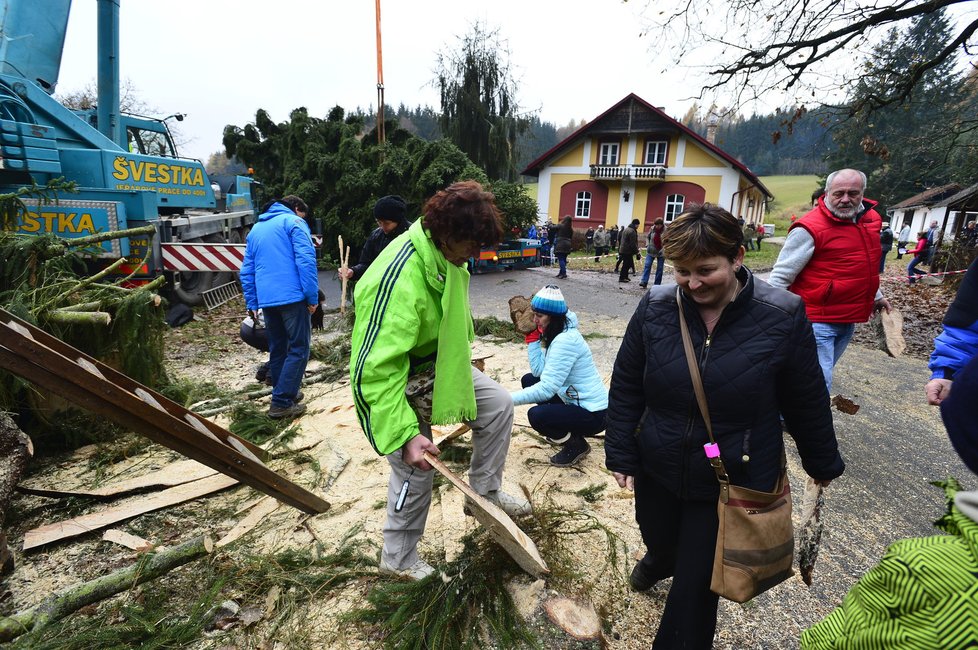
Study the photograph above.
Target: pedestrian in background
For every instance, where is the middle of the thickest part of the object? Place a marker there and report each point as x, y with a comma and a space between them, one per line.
279, 276
902, 240
653, 251
886, 243
562, 247
761, 234
628, 250
602, 243
749, 233
589, 239
919, 255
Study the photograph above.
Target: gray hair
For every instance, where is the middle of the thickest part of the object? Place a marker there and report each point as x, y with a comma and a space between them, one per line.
831, 177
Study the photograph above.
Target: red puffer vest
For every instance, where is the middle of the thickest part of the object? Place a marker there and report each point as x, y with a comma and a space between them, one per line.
839, 283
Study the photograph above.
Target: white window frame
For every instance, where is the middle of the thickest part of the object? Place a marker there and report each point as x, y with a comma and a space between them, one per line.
661, 151
674, 206
608, 153
582, 205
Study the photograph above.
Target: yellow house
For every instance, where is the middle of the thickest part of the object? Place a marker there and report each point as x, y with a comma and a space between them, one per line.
635, 162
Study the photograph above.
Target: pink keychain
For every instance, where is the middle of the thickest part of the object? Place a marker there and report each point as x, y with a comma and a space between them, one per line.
712, 450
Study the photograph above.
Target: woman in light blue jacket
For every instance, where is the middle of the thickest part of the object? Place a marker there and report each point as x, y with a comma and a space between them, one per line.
563, 380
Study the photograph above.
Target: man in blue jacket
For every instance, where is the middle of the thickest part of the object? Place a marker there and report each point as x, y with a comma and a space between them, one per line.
279, 277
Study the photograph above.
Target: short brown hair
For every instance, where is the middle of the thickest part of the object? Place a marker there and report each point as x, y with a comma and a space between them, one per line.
702, 231
463, 211
294, 203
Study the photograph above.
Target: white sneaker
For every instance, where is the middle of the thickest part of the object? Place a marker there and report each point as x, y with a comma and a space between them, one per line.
512, 506
417, 571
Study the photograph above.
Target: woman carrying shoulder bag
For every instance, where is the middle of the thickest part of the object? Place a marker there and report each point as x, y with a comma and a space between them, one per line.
656, 438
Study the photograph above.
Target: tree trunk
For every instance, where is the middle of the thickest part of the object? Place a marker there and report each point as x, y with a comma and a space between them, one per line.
58, 606
15, 451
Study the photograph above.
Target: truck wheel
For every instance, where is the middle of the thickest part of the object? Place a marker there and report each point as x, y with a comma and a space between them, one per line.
190, 285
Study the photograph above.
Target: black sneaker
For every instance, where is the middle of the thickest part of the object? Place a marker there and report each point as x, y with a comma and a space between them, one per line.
640, 580
572, 453
643, 285
299, 397
559, 440
292, 411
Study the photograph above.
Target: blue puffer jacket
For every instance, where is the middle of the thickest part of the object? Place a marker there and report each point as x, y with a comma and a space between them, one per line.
958, 342
279, 266
566, 369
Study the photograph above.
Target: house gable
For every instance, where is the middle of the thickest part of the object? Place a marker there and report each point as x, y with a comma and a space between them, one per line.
696, 156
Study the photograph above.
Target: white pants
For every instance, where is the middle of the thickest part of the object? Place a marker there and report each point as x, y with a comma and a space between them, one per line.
491, 432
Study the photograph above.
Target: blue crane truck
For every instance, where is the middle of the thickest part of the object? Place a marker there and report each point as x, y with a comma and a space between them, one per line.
126, 167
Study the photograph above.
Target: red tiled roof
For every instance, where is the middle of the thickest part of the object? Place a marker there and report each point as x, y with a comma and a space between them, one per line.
533, 169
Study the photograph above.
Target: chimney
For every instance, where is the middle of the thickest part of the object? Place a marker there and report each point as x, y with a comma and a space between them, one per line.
711, 128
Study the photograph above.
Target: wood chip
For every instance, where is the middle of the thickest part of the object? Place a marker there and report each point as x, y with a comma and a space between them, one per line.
174, 474
845, 405
262, 509
123, 538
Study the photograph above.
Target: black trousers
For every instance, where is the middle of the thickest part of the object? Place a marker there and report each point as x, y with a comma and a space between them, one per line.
680, 537
627, 264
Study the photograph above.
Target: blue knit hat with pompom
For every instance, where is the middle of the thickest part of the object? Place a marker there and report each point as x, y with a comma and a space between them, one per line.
550, 301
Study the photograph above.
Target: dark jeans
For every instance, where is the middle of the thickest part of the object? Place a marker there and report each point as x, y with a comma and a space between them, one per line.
886, 251
647, 271
627, 265
680, 537
554, 418
912, 269
562, 259
289, 332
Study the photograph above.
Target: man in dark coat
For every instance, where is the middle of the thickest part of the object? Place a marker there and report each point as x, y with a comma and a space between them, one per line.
628, 250
390, 212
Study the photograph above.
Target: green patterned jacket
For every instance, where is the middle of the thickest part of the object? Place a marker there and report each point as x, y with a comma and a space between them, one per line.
923, 595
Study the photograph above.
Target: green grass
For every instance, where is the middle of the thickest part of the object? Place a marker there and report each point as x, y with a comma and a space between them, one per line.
790, 192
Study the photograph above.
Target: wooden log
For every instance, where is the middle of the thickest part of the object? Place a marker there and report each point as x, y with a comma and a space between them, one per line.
58, 606
98, 520
521, 314
80, 242
576, 618
78, 317
892, 332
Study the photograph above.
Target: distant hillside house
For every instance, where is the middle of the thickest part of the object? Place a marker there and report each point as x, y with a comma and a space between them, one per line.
635, 162
936, 203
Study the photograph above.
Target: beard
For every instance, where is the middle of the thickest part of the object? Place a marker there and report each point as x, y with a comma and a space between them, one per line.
846, 212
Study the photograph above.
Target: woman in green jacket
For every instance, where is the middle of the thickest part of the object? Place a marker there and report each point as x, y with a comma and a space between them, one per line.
413, 322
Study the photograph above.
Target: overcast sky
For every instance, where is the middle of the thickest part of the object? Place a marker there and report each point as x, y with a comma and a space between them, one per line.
218, 61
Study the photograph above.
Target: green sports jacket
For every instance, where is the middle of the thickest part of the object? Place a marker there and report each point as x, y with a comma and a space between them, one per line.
398, 313
923, 595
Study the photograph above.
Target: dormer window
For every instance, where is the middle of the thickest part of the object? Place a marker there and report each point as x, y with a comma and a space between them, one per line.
655, 152
608, 154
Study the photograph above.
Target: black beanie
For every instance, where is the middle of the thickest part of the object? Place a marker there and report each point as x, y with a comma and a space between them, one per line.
390, 208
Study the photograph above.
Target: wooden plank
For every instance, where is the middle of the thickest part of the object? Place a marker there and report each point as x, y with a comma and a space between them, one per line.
123, 538
262, 509
97, 520
50, 370
448, 437
501, 528
113, 375
172, 475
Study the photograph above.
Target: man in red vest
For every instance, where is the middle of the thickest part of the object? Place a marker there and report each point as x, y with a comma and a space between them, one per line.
831, 259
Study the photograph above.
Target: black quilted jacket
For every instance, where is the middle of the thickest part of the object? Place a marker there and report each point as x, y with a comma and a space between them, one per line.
760, 361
